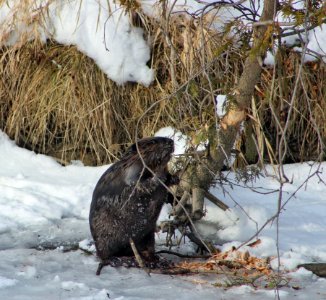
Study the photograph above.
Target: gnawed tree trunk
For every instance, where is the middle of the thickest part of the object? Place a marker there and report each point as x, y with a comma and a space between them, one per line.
200, 174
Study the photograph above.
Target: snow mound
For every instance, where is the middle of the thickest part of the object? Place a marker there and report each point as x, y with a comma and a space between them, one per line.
100, 29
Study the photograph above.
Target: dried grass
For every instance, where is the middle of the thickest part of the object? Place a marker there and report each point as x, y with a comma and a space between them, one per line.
54, 100
307, 123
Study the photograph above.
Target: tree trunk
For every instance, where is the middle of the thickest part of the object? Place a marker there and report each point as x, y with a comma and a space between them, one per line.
200, 175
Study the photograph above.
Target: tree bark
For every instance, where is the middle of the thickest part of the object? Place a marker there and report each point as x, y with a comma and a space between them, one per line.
200, 175
317, 268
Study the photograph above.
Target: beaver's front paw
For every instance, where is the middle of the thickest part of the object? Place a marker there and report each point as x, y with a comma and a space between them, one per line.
173, 180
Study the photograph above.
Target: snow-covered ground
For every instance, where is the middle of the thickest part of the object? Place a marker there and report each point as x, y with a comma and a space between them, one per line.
43, 204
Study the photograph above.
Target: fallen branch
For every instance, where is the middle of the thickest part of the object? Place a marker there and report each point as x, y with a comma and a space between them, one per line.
138, 257
318, 269
182, 255
216, 201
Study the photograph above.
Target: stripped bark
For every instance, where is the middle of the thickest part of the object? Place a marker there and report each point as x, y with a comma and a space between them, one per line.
200, 175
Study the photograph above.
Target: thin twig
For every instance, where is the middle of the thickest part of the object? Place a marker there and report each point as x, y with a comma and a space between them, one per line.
182, 255
138, 257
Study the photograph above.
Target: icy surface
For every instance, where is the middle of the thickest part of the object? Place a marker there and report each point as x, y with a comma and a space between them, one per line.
43, 204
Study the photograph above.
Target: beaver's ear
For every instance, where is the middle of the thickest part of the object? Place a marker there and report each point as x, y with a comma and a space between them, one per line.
131, 149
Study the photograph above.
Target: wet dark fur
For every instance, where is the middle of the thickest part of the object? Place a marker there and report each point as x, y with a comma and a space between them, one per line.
128, 198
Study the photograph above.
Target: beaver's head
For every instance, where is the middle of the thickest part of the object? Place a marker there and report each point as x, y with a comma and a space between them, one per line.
155, 151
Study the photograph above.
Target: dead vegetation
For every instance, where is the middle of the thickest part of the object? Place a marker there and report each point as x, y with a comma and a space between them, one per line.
231, 268
55, 100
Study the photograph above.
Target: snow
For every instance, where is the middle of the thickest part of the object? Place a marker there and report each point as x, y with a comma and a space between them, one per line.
44, 205
5, 282
220, 105
99, 28
316, 43
226, 14
180, 140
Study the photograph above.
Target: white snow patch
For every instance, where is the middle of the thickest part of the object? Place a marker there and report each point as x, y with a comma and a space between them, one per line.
27, 272
317, 43
302, 273
240, 290
180, 140
87, 245
71, 285
99, 28
5, 282
269, 59
289, 261
230, 225
220, 105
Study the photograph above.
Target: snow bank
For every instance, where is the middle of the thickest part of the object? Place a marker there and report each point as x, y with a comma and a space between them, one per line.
43, 203
100, 29
317, 43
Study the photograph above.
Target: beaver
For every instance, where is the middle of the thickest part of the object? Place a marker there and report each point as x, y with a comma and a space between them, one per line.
128, 198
